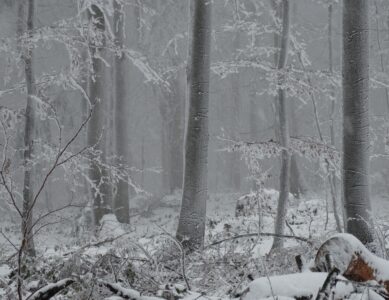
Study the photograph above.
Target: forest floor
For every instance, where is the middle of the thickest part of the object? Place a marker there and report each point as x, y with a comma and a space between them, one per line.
146, 257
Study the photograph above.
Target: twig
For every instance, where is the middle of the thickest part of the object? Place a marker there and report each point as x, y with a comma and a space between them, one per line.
97, 244
179, 245
8, 240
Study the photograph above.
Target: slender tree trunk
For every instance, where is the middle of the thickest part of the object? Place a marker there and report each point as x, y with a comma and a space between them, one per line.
176, 133
235, 93
191, 227
283, 129
29, 129
332, 175
172, 110
121, 201
356, 127
95, 126
298, 186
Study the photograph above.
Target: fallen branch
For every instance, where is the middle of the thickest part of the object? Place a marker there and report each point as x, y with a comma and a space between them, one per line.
126, 293
329, 284
293, 237
50, 290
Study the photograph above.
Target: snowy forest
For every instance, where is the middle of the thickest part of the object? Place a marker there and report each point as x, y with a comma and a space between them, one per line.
194, 149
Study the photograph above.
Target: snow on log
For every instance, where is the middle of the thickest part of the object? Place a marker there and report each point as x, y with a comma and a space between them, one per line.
294, 286
127, 293
355, 262
50, 290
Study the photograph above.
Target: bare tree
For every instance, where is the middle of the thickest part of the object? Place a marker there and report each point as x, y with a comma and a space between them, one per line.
95, 127
191, 227
356, 127
332, 176
234, 165
29, 126
283, 129
121, 202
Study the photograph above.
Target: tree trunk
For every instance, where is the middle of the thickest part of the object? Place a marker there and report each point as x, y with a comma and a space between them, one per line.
121, 201
235, 156
298, 186
356, 119
95, 126
332, 174
283, 129
191, 227
172, 110
29, 129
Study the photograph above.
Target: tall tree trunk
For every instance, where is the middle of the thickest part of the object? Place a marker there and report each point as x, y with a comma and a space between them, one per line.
332, 174
191, 226
121, 201
95, 126
283, 129
29, 129
176, 136
356, 119
172, 110
298, 186
235, 107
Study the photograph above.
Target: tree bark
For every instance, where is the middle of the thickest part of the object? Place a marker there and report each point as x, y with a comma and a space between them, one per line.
95, 126
332, 175
121, 200
172, 110
191, 227
356, 119
298, 185
235, 181
283, 129
28, 57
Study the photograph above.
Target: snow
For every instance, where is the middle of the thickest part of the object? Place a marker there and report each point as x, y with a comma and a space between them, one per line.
292, 285
5, 270
110, 227
130, 293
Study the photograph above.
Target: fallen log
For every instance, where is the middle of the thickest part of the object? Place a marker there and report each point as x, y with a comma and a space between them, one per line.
354, 261
127, 293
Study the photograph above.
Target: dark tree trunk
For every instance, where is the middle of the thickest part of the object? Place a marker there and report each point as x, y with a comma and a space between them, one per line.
283, 130
121, 200
98, 174
29, 129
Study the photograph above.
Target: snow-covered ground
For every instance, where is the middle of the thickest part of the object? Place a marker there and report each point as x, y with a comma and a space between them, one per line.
145, 255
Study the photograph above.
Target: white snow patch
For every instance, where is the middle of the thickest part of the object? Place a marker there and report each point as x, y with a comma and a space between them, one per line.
5, 270
110, 227
292, 285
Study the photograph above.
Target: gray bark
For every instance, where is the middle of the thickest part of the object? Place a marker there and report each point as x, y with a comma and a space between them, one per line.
235, 111
172, 109
121, 201
332, 175
356, 119
298, 185
191, 227
29, 129
283, 130
95, 126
